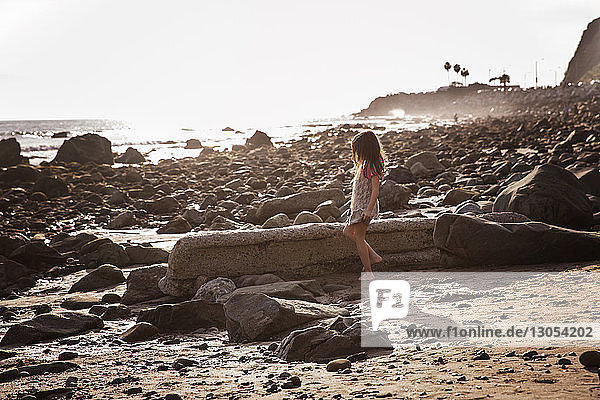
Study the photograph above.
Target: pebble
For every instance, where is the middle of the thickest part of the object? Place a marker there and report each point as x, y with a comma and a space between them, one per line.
339, 364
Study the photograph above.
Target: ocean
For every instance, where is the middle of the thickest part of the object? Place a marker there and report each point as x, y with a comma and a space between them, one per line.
164, 142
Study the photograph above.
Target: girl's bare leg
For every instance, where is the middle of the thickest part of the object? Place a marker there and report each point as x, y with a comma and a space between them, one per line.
374, 257
360, 231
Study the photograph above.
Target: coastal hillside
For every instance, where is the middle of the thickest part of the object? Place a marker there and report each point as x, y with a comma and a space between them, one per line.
585, 64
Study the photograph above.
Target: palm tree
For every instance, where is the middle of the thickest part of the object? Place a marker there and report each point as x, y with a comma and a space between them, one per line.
447, 67
503, 79
457, 70
464, 73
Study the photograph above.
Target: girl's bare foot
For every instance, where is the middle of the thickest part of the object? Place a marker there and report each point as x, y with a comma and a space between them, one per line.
376, 259
366, 276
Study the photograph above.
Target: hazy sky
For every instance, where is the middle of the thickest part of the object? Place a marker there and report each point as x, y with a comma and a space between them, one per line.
226, 61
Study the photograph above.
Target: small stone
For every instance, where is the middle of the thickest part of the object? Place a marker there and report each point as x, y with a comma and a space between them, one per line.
111, 298
292, 383
67, 355
139, 332
336, 365
590, 359
173, 396
482, 355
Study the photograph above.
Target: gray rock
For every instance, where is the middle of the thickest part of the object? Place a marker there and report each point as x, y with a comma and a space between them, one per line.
140, 332
590, 359
176, 225
122, 220
399, 174
131, 156
116, 312
294, 290
85, 148
80, 301
465, 240
590, 179
142, 284
255, 316
255, 280
468, 206
548, 194
103, 251
193, 144
259, 139
323, 344
306, 217
144, 255
20, 173
298, 202
102, 277
11, 271
215, 289
277, 221
37, 255
456, 196
50, 326
10, 152
393, 196
185, 317
51, 186
328, 209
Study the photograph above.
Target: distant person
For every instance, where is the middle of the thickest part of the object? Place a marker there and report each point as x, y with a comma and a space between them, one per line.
455, 118
368, 157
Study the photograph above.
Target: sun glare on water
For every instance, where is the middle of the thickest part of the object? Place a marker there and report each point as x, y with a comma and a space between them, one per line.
398, 113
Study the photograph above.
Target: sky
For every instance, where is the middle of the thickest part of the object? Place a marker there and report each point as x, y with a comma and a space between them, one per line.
224, 62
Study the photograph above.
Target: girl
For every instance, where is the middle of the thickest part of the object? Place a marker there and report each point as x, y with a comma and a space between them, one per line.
368, 156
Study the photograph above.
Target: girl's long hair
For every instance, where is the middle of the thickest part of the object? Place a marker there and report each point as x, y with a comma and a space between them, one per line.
367, 153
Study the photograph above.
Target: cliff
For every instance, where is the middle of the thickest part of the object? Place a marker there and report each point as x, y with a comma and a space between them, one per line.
584, 65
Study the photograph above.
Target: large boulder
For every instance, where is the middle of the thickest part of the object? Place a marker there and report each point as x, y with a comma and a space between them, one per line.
428, 161
10, 152
214, 289
295, 203
139, 332
20, 173
37, 255
142, 284
176, 225
259, 139
341, 338
65, 243
51, 186
90, 147
131, 156
590, 179
393, 196
465, 240
11, 271
256, 316
400, 174
102, 277
548, 194
185, 317
306, 290
50, 326
103, 251
144, 255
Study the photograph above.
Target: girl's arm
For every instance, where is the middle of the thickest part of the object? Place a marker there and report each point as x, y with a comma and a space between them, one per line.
374, 195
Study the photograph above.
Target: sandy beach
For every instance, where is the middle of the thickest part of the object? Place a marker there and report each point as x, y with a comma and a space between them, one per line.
74, 217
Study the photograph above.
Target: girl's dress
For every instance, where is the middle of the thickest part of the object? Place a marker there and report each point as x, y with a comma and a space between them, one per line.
361, 195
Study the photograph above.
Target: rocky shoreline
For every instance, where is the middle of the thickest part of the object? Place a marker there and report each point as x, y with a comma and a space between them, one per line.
77, 304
